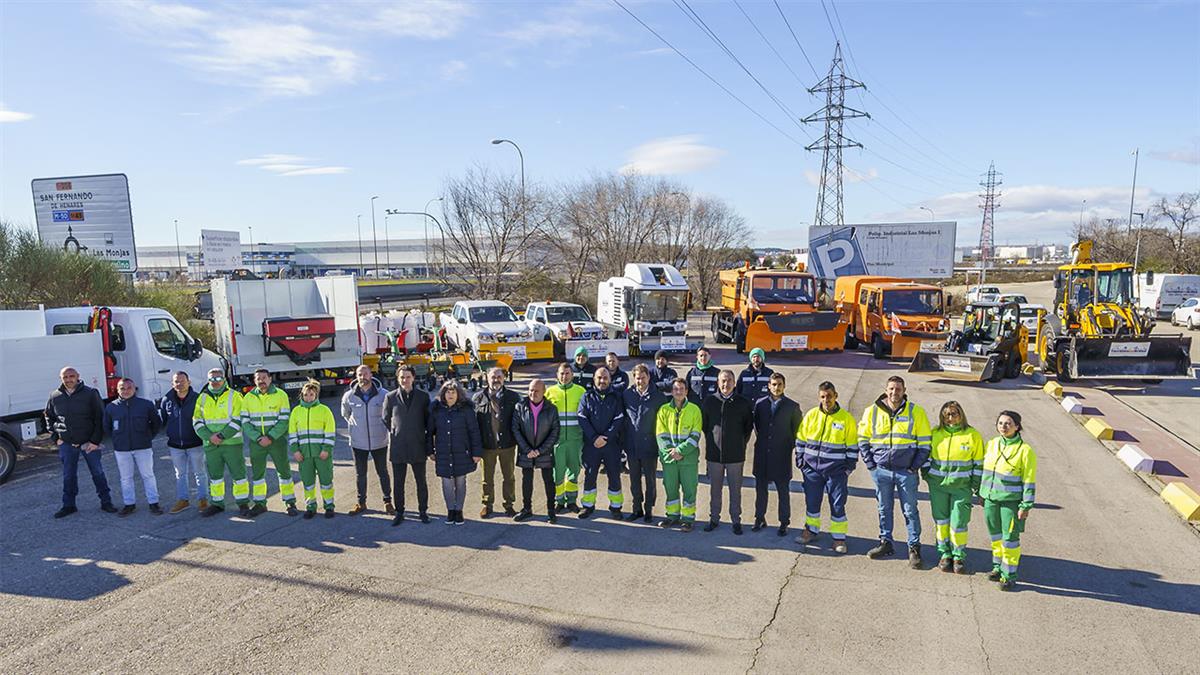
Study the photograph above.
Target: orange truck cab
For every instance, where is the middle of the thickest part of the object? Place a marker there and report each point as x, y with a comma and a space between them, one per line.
894, 316
775, 310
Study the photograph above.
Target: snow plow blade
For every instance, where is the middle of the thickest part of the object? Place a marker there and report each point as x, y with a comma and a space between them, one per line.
1158, 357
955, 366
800, 332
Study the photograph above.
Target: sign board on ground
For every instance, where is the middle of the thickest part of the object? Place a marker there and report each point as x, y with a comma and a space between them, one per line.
906, 250
87, 214
793, 342
221, 250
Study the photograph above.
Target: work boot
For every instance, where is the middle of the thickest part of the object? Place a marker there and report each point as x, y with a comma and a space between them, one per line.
65, 511
668, 523
914, 557
616, 514
127, 509
946, 564
712, 525
108, 508
782, 530
329, 512
552, 518
156, 509
960, 567
884, 548
485, 512
309, 514
806, 537
212, 510
389, 509
559, 508
994, 575
839, 546
587, 511
257, 510
573, 508
737, 528
510, 511
648, 517
181, 505
357, 509
423, 517
1007, 584
637, 513
291, 509
686, 526
202, 505
758, 525
244, 510
398, 519
524, 515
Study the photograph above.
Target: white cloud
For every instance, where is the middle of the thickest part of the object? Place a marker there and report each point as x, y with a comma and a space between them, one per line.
1187, 155
657, 51
7, 115
575, 23
671, 155
290, 165
851, 176
453, 70
428, 19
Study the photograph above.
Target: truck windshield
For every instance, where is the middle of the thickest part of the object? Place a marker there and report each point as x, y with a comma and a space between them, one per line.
782, 289
1115, 286
660, 305
562, 314
490, 314
912, 302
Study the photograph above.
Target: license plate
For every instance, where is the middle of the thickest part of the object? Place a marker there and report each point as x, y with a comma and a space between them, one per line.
1129, 349
516, 351
678, 342
932, 345
793, 342
293, 385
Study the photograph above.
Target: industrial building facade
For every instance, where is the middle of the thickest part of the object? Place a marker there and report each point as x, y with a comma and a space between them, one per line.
394, 258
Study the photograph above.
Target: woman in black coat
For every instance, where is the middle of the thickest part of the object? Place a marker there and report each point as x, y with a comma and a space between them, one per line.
535, 428
457, 447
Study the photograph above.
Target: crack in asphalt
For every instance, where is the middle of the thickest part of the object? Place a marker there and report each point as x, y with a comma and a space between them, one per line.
774, 612
987, 658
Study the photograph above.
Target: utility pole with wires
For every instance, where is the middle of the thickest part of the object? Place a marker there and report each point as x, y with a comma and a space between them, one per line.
990, 197
831, 144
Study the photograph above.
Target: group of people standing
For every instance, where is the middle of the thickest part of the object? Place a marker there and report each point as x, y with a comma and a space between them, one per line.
592, 420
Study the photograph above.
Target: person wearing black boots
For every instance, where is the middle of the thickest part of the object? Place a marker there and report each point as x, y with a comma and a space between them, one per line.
535, 429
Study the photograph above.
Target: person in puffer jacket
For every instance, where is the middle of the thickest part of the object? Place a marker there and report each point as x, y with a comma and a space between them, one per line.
535, 430
362, 408
132, 423
953, 475
893, 441
457, 446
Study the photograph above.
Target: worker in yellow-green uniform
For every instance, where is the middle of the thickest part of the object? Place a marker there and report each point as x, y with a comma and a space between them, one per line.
310, 440
265, 411
217, 421
953, 474
678, 427
568, 451
1007, 489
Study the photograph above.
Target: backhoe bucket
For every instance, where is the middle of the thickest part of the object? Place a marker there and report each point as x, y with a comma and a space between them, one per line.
1158, 357
802, 332
956, 366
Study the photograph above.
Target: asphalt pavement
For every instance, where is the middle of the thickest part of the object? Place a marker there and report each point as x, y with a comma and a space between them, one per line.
1108, 581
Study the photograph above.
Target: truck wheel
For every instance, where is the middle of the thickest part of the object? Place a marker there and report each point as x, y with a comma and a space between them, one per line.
739, 338
877, 349
998, 368
1191, 324
1062, 366
1013, 368
716, 329
851, 340
8, 458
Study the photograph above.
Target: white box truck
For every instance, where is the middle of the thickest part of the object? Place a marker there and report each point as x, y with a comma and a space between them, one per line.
1162, 293
648, 305
295, 328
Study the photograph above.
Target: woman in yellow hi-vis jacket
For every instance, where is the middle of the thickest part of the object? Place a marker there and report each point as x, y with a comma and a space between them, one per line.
1007, 489
310, 438
953, 475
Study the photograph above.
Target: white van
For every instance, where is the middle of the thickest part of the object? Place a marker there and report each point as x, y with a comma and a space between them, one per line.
1164, 292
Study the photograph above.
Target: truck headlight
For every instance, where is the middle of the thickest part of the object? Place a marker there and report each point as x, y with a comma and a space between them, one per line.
525, 334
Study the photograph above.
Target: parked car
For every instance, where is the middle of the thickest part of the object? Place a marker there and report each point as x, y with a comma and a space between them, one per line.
1187, 314
983, 294
1006, 298
1029, 317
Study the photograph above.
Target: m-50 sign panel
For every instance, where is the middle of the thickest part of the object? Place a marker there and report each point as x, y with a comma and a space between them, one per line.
906, 250
87, 214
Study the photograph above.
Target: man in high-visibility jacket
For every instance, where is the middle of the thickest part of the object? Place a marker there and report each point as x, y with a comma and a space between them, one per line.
265, 411
678, 428
217, 421
893, 441
310, 440
826, 454
568, 452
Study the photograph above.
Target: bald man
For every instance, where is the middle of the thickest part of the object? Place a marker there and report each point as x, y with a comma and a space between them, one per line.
75, 418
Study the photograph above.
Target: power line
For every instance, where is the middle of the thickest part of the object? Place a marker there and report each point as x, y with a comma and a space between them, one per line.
830, 210
801, 47
705, 74
764, 39
691, 14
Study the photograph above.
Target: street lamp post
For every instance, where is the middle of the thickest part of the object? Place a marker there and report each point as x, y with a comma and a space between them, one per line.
427, 215
932, 218
1081, 205
360, 256
251, 228
374, 238
1137, 246
521, 155
425, 225
178, 250
387, 243
1133, 188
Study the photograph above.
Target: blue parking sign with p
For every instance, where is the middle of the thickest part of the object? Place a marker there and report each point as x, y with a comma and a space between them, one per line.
836, 254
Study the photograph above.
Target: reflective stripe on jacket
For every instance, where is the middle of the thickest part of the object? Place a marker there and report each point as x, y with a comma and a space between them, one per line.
219, 414
956, 459
827, 442
1009, 472
679, 429
895, 440
265, 414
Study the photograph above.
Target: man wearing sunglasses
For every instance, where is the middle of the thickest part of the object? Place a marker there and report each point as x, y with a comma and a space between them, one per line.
217, 421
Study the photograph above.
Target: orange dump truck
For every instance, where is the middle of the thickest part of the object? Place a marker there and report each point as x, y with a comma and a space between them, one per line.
775, 310
894, 316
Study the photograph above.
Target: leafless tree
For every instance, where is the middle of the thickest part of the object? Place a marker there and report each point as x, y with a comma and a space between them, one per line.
1180, 214
721, 240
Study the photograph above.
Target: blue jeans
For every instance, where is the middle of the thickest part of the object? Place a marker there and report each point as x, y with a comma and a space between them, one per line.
903, 484
69, 455
190, 470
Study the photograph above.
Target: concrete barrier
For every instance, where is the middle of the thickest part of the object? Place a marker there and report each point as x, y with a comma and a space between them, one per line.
1072, 405
1053, 388
1136, 459
1184, 500
1099, 428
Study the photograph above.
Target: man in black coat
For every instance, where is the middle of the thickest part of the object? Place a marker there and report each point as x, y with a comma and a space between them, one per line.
702, 377
662, 376
582, 369
642, 403
494, 408
75, 418
406, 416
776, 421
535, 428
728, 419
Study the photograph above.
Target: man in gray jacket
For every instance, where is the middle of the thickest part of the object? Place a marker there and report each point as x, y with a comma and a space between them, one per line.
362, 408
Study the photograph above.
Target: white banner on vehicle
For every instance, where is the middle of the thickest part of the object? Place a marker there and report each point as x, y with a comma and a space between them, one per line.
1129, 349
793, 342
516, 351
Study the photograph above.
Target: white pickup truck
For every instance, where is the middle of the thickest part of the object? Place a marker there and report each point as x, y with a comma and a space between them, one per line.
482, 327
571, 327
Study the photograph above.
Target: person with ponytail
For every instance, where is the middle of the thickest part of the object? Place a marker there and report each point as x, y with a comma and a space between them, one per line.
1007, 489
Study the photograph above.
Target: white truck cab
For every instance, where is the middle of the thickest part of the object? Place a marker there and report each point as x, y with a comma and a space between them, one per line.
570, 326
647, 305
480, 327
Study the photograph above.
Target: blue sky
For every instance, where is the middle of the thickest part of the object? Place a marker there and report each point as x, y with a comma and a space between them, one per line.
288, 117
